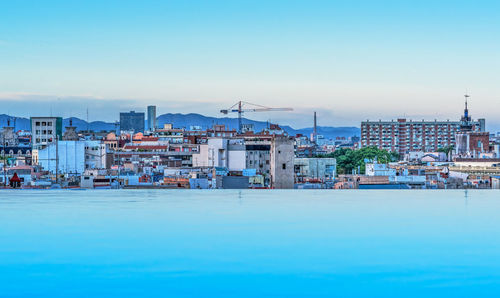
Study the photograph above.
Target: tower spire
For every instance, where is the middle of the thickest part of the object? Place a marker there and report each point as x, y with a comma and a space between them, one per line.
466, 120
466, 111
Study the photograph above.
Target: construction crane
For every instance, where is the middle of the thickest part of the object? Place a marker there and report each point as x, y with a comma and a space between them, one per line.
241, 107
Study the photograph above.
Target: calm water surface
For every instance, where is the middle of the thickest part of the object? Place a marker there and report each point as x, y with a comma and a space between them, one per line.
157, 243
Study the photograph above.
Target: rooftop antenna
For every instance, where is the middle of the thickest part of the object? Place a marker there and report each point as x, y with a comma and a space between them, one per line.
87, 119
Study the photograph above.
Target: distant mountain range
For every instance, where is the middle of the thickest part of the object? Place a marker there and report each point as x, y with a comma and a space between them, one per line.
24, 123
187, 120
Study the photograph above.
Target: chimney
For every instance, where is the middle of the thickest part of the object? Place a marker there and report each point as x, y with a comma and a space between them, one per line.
315, 129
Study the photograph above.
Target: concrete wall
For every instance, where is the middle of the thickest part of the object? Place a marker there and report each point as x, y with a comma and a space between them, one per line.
282, 163
236, 160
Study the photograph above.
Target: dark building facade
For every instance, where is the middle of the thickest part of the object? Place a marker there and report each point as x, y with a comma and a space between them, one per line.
132, 121
151, 118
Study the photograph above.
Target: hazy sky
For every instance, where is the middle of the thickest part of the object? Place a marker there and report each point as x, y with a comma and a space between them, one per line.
349, 60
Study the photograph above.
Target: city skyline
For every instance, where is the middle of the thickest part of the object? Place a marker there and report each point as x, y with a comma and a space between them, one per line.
350, 61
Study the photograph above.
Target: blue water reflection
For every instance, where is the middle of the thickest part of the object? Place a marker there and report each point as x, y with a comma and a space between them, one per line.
168, 243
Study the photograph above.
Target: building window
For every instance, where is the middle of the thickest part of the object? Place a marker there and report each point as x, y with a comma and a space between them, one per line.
284, 166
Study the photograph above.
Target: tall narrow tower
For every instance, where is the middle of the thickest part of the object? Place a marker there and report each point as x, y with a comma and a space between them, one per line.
151, 118
466, 121
315, 130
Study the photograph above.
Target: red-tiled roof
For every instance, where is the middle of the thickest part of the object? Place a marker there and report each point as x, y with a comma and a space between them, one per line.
150, 139
146, 147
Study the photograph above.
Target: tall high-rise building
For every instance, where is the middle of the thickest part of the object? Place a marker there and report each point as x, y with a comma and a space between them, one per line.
132, 121
151, 118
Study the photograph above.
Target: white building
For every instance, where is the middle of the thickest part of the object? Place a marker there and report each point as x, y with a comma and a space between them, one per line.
45, 130
71, 157
95, 155
221, 152
379, 169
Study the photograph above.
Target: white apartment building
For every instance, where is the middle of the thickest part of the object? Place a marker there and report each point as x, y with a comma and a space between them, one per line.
45, 130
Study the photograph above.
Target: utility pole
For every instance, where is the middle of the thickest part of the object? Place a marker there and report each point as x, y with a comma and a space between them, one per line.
57, 160
4, 158
119, 170
239, 117
4, 161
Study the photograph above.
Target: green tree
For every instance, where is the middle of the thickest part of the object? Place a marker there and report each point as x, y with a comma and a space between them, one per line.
349, 160
446, 149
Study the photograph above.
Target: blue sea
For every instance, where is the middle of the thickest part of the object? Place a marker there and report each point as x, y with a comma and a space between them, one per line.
249, 243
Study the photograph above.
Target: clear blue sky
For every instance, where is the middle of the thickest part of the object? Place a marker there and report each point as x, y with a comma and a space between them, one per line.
350, 60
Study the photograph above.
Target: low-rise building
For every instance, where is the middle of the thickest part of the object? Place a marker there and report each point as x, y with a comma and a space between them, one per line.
322, 169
